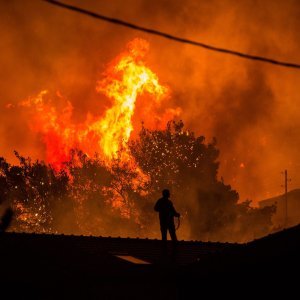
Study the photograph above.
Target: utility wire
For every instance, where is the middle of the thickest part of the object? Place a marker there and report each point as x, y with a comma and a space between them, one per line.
172, 37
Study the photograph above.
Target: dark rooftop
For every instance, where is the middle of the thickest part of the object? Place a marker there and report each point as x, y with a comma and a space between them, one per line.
58, 266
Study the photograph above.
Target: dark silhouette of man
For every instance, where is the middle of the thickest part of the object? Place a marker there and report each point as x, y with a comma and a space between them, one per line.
167, 213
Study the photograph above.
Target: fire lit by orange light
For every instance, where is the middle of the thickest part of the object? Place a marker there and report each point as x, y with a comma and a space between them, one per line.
126, 78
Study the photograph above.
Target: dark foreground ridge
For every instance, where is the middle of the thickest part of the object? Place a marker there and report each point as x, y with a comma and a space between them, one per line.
57, 266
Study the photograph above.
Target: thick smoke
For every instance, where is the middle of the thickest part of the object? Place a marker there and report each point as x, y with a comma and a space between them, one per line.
250, 107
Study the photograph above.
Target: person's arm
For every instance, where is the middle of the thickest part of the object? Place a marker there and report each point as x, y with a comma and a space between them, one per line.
175, 213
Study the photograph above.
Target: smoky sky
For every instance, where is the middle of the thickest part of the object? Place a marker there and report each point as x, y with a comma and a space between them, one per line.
251, 108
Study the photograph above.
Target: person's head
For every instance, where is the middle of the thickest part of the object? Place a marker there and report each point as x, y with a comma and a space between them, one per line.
166, 193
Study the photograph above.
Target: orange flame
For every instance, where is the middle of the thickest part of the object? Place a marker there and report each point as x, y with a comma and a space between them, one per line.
126, 78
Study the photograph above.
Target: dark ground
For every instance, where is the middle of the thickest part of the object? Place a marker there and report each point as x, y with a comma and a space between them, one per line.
76, 267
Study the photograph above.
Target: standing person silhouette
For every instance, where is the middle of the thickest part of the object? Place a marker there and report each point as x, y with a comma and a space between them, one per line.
167, 212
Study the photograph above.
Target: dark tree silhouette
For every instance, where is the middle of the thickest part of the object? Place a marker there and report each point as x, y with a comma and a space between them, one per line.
102, 196
33, 189
89, 197
177, 159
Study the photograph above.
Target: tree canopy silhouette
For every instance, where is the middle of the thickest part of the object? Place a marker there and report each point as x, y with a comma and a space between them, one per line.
182, 161
87, 197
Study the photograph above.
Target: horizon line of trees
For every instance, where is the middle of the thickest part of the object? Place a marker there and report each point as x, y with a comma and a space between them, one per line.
86, 197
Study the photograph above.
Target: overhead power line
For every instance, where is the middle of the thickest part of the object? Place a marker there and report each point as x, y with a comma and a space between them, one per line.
172, 37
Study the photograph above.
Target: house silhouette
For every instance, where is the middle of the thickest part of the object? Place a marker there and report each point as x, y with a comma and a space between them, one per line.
293, 208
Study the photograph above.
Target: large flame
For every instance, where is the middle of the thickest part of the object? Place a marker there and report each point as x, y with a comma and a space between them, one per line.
125, 79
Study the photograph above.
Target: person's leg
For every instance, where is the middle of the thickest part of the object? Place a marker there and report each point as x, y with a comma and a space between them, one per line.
172, 232
163, 230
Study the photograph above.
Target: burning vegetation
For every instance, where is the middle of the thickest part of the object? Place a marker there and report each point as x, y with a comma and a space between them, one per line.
102, 176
